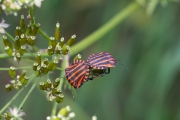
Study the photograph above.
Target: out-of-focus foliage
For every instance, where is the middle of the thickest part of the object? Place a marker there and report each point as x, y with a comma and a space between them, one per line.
148, 45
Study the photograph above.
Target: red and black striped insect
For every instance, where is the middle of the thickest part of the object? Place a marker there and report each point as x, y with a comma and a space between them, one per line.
96, 66
77, 73
99, 62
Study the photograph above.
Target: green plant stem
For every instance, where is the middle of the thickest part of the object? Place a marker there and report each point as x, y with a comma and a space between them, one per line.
54, 109
32, 15
112, 23
32, 61
27, 67
27, 95
58, 68
44, 34
10, 36
16, 95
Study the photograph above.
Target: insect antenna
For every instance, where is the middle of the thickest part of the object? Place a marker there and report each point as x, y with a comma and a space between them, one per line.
122, 64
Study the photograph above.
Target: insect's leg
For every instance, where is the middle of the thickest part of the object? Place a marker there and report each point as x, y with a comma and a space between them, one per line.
91, 74
107, 71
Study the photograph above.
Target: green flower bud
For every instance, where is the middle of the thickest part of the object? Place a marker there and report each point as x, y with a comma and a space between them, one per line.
23, 39
52, 42
38, 72
35, 66
22, 24
46, 62
58, 50
50, 50
12, 72
17, 44
52, 65
61, 43
18, 56
59, 99
31, 40
38, 58
8, 87
7, 116
71, 41
64, 111
7, 42
19, 86
42, 86
56, 91
22, 50
18, 31
65, 49
57, 32
24, 80
48, 83
28, 30
8, 50
44, 69
77, 57
22, 75
36, 28
56, 82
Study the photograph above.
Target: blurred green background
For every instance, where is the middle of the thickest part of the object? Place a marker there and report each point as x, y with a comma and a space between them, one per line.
148, 45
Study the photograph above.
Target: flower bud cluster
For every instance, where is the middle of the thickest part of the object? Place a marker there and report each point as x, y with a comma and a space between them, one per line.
13, 6
57, 44
63, 114
18, 81
52, 92
23, 39
42, 67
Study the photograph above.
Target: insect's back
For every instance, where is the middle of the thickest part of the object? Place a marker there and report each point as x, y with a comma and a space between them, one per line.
101, 60
77, 73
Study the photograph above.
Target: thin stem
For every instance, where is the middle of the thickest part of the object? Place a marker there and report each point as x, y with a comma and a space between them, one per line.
27, 95
11, 37
27, 67
30, 60
63, 65
16, 95
44, 34
54, 108
58, 68
32, 15
112, 23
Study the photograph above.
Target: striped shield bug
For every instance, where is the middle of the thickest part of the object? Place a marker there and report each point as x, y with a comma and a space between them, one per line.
77, 73
102, 60
99, 62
